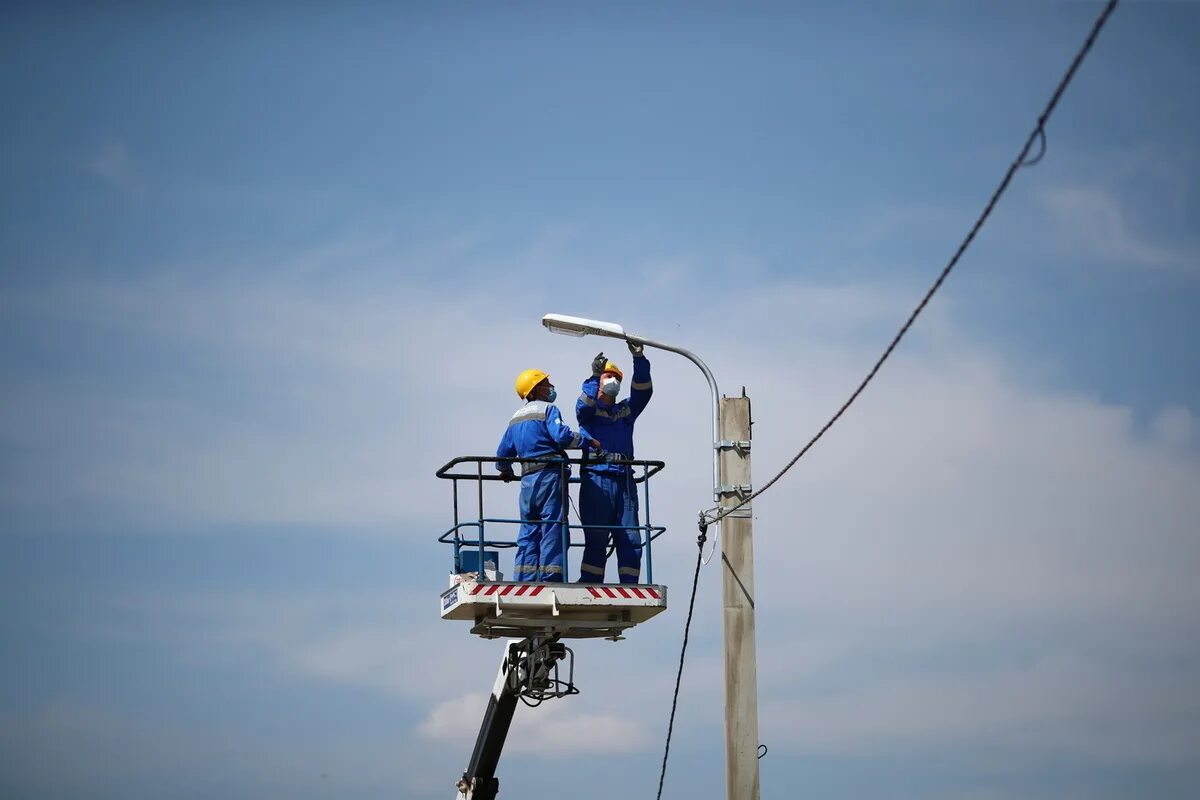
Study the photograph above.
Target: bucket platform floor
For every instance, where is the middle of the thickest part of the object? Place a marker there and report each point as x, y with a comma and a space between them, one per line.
570, 610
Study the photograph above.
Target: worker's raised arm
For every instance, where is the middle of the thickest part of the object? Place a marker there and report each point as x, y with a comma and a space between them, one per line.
642, 387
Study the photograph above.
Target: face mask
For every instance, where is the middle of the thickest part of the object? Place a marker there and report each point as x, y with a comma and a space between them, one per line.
611, 387
550, 398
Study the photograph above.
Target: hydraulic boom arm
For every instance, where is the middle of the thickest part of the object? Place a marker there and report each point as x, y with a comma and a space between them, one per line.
529, 669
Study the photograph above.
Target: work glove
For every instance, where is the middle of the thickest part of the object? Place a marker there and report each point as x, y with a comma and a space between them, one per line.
598, 364
508, 477
635, 348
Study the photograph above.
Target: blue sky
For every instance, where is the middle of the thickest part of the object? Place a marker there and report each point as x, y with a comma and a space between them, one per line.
263, 268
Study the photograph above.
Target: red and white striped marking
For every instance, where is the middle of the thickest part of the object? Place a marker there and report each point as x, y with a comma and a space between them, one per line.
530, 590
503, 590
622, 591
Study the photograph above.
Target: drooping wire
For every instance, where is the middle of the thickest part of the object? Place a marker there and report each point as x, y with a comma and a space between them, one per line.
1039, 132
707, 518
682, 653
711, 552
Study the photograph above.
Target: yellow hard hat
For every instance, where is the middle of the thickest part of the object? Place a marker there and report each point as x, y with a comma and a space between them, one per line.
613, 368
527, 380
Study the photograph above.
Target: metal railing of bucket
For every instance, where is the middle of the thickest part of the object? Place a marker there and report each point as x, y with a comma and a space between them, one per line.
471, 469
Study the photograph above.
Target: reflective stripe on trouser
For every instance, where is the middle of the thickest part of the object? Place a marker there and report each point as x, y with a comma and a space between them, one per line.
607, 500
539, 545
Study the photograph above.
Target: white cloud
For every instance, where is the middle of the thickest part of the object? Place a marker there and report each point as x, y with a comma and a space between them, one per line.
967, 557
1092, 221
69, 748
386, 642
1056, 705
1174, 426
376, 640
113, 164
553, 729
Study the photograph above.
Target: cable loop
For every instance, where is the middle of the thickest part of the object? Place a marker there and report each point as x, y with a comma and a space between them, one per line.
1041, 134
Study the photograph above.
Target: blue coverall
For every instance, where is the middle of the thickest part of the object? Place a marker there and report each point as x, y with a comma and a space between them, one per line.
537, 430
608, 504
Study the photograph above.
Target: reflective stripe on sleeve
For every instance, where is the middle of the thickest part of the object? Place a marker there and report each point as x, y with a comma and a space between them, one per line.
587, 399
642, 386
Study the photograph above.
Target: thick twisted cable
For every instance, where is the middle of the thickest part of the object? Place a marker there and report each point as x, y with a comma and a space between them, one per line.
679, 675
1039, 130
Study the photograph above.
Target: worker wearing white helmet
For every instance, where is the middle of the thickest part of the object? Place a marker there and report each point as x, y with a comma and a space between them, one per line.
538, 431
608, 503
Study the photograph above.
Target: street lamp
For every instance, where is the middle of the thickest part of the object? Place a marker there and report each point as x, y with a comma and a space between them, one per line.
578, 326
737, 555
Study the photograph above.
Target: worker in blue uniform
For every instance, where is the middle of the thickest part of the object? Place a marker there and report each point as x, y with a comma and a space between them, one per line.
538, 431
608, 504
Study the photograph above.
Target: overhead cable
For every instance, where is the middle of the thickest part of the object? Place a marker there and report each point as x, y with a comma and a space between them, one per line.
662, 775
1022, 160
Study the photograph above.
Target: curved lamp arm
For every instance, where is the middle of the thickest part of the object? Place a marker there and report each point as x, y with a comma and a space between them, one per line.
579, 326
716, 399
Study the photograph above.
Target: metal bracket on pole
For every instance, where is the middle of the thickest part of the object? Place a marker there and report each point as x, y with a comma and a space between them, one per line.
741, 448
741, 490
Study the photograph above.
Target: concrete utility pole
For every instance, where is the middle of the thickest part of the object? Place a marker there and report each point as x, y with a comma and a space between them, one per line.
737, 591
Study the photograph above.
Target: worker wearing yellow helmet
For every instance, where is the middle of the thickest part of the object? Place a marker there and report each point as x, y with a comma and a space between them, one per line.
608, 504
537, 431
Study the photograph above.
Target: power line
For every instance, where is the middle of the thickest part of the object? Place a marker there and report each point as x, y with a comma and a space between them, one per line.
682, 652
1022, 160
1038, 134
